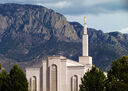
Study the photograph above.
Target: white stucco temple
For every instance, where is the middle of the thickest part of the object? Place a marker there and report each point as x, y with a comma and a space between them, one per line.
58, 73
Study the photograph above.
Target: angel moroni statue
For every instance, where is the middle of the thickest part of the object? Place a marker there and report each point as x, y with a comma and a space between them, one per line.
84, 19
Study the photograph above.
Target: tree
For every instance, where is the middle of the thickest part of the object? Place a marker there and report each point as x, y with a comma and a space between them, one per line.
18, 79
0, 67
93, 80
118, 75
4, 81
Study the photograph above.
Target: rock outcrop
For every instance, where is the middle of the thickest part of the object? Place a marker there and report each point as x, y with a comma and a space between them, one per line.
29, 33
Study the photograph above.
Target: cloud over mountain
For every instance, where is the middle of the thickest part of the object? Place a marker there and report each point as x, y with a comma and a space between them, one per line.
125, 30
107, 15
79, 6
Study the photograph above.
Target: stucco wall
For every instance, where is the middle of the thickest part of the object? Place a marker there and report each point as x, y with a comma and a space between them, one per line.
33, 72
72, 71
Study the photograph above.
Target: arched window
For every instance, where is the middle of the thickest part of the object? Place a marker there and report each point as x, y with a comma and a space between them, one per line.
33, 84
54, 77
74, 83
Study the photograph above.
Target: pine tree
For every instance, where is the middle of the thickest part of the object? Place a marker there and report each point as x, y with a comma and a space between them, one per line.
18, 79
0, 67
4, 81
93, 80
118, 75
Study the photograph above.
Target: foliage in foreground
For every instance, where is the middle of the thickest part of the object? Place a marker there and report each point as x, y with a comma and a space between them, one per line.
14, 81
117, 78
93, 80
118, 75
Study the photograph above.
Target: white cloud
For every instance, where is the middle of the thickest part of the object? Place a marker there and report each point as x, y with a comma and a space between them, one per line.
107, 22
73, 7
125, 30
60, 4
95, 2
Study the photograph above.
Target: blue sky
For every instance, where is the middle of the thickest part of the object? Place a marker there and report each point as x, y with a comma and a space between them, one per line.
105, 15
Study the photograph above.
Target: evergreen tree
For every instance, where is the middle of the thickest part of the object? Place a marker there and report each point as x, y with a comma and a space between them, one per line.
118, 75
0, 67
18, 79
4, 81
93, 80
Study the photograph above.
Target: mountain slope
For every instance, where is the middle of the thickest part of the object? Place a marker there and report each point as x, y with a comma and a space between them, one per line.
29, 33
104, 47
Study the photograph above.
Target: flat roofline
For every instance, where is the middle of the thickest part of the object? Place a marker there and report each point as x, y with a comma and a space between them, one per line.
32, 68
61, 57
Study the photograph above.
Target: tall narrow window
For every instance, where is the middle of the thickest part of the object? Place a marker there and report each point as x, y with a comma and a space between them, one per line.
30, 82
75, 83
33, 83
54, 78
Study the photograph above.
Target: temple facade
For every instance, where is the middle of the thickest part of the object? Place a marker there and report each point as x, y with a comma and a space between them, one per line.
58, 73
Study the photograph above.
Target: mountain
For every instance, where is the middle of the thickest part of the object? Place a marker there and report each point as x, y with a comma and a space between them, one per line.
30, 33
104, 47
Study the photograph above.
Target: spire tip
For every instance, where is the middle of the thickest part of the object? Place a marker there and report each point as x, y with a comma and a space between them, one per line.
85, 19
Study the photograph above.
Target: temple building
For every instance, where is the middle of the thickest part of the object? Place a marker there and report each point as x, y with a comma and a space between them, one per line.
59, 73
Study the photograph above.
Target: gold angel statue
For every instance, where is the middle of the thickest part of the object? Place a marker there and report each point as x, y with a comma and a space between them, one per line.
85, 19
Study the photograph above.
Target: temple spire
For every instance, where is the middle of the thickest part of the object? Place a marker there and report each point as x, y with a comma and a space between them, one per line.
85, 25
85, 59
85, 39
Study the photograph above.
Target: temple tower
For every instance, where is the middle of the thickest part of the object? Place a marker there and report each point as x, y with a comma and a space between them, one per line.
85, 59
85, 40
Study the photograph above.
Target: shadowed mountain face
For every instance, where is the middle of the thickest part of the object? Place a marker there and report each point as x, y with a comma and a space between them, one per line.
29, 33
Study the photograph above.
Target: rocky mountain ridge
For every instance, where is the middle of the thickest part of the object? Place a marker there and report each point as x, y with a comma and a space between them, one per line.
29, 33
